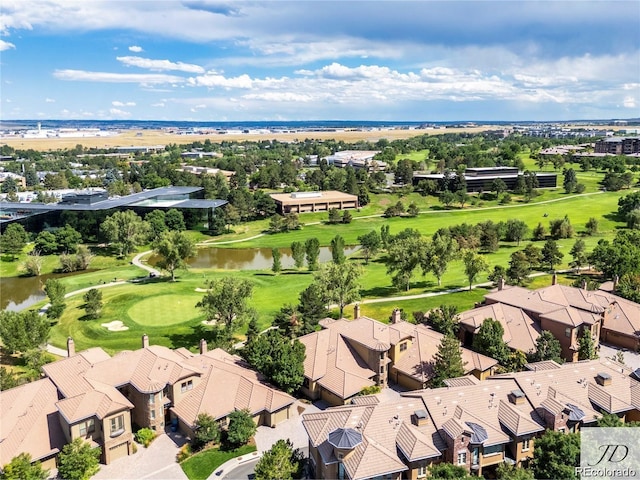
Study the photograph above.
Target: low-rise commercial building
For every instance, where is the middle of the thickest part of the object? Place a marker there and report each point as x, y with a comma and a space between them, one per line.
301, 202
618, 145
480, 179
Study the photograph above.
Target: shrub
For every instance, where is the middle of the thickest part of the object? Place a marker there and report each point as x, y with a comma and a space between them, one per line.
184, 453
145, 436
372, 390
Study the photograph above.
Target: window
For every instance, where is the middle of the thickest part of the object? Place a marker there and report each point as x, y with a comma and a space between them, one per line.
382, 369
403, 346
87, 427
525, 444
188, 385
382, 355
475, 456
492, 450
153, 414
117, 425
567, 332
462, 458
152, 399
422, 471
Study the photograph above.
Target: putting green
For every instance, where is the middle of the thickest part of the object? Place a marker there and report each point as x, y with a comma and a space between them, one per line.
162, 310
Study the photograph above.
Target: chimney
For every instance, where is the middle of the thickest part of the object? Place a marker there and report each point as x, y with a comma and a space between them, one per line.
356, 311
500, 283
583, 284
203, 346
71, 347
554, 279
603, 379
395, 315
145, 340
616, 279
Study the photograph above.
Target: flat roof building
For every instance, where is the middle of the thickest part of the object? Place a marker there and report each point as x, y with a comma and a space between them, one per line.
480, 179
301, 202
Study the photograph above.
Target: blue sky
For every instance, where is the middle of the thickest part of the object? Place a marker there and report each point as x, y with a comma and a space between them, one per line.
208, 60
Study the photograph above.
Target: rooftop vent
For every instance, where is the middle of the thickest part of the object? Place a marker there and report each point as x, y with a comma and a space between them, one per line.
420, 418
516, 397
603, 379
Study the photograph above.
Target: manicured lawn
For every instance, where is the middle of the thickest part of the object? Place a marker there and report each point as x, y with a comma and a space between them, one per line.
165, 310
202, 465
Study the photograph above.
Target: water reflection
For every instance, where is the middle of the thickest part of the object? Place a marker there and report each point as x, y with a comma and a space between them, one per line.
247, 258
18, 293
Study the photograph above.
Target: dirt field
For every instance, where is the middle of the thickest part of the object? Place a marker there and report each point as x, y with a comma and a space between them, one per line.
160, 137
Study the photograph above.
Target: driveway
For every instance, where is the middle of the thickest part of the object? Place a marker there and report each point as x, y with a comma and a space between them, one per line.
156, 462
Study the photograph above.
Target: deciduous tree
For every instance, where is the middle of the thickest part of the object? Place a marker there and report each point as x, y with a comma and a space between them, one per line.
174, 248
55, 290
337, 250
241, 427
370, 243
556, 455
206, 430
474, 264
227, 301
312, 251
298, 252
78, 460
125, 230
21, 468
340, 283
13, 240
93, 303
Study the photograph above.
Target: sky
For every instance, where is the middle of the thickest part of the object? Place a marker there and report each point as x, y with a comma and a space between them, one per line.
268, 60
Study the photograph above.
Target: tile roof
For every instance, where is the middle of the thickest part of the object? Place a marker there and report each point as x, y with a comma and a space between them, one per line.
68, 374
572, 316
623, 317
101, 402
227, 384
386, 430
520, 330
29, 421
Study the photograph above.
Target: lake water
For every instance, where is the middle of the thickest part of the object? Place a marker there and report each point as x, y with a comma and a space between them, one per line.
18, 293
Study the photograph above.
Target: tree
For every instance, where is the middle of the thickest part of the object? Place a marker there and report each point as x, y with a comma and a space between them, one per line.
629, 287
413, 210
586, 346
346, 217
560, 228
539, 233
340, 283
519, 268
633, 219
370, 243
174, 248
447, 362
547, 348
447, 198
55, 290
46, 243
125, 230
312, 306
498, 186
297, 252
276, 266
241, 427
404, 254
281, 461
516, 230
579, 254
13, 241
334, 216
337, 250
448, 471
551, 254
506, 471
312, 251
78, 460
156, 220
206, 430
174, 219
278, 358
488, 341
93, 303
226, 301
628, 203
32, 265
620, 256
440, 252
474, 263
570, 180
533, 254
444, 319
22, 331
556, 455
67, 239
21, 468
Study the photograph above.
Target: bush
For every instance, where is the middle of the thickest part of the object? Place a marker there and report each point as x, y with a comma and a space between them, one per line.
145, 436
372, 390
184, 453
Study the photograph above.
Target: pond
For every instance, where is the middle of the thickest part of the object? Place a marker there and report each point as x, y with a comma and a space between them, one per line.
247, 258
18, 293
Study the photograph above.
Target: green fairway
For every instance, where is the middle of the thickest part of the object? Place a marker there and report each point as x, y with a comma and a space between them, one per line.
165, 310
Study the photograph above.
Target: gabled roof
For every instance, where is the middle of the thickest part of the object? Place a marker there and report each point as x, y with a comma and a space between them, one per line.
227, 384
30, 422
386, 430
68, 374
520, 330
572, 317
101, 402
623, 317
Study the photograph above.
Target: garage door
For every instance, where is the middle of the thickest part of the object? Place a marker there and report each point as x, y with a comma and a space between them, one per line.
118, 451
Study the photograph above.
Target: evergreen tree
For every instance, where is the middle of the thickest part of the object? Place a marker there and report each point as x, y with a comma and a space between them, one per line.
13, 240
586, 346
447, 362
547, 348
281, 461
488, 341
241, 427
93, 303
444, 319
551, 254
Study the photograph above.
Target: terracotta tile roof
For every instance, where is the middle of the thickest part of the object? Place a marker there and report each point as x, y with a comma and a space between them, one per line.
520, 330
417, 361
572, 317
575, 383
386, 429
369, 332
462, 381
101, 402
623, 317
29, 421
227, 384
69, 373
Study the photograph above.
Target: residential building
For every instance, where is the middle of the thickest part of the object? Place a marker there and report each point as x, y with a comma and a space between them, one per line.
19, 180
99, 398
301, 202
347, 356
480, 179
618, 145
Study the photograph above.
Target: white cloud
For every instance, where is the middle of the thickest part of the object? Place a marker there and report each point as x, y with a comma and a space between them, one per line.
160, 65
49, 100
158, 104
279, 97
629, 102
107, 77
135, 48
117, 103
212, 80
116, 112
6, 45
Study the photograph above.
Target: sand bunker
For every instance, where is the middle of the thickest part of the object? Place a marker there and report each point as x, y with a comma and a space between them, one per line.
201, 290
115, 326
